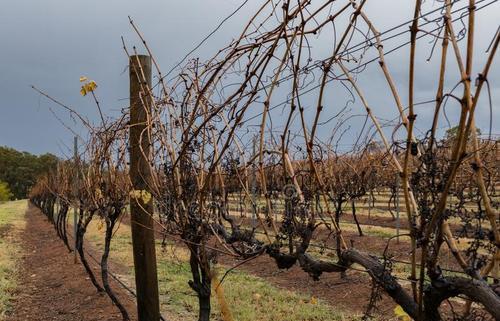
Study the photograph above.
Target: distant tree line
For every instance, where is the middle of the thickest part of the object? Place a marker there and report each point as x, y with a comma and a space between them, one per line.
20, 170
5, 193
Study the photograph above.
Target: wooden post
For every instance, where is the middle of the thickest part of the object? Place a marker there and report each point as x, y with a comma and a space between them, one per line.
254, 184
397, 207
75, 208
143, 239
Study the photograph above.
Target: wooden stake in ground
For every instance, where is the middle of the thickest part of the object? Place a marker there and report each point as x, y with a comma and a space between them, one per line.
75, 209
141, 208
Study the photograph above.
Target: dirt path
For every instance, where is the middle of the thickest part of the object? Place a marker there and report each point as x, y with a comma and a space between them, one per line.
51, 286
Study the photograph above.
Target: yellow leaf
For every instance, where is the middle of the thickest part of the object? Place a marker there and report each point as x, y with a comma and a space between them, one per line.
401, 314
98, 193
146, 196
313, 301
91, 86
135, 193
87, 87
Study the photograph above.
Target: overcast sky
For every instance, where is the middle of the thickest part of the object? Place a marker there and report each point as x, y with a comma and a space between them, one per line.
51, 43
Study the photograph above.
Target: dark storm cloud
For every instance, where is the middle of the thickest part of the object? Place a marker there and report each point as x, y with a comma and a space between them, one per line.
52, 43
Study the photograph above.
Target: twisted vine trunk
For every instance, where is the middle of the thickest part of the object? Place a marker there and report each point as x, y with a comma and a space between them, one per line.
338, 212
201, 282
439, 290
110, 224
392, 202
83, 259
444, 288
81, 229
61, 225
353, 204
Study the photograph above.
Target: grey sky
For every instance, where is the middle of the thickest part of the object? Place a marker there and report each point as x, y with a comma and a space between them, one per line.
52, 43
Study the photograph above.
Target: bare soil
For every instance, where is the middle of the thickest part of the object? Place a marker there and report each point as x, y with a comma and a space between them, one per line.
52, 287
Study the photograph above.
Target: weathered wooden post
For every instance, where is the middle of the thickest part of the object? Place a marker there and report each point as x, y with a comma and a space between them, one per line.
75, 208
397, 207
143, 239
254, 184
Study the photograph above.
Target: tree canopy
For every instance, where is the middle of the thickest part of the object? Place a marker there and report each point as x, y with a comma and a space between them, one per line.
19, 170
5, 193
